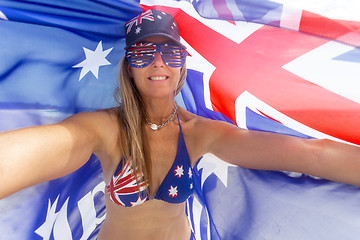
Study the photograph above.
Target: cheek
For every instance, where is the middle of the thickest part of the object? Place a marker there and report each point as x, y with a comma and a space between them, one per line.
136, 74
176, 76
137, 82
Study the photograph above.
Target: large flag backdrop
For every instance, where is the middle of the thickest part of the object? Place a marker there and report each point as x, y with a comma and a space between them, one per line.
267, 66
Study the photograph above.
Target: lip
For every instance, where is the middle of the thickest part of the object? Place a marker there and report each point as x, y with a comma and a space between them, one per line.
158, 77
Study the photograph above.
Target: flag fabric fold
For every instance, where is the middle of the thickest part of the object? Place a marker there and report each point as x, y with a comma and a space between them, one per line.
261, 65
282, 14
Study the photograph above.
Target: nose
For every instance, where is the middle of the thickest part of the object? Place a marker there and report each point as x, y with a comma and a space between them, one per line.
158, 62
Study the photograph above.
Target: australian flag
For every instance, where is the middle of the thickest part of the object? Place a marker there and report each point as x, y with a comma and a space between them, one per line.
260, 64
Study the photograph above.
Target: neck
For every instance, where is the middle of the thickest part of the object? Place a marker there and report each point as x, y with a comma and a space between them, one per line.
158, 111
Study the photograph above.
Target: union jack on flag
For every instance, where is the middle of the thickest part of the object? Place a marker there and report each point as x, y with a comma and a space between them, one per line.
138, 20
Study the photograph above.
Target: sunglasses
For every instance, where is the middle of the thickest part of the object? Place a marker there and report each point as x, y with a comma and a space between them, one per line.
140, 55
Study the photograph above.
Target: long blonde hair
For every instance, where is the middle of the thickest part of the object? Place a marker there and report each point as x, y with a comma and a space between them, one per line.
131, 118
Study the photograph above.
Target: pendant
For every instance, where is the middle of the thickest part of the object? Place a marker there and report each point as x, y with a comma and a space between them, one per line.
154, 127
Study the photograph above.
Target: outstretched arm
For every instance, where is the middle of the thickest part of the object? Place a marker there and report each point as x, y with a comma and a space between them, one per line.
269, 151
32, 155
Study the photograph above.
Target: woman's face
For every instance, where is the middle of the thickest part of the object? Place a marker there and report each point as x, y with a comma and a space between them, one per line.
157, 80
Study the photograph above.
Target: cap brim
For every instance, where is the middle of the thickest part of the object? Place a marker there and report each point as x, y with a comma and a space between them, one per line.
156, 34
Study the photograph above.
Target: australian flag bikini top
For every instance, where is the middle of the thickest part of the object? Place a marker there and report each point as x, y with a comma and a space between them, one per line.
176, 187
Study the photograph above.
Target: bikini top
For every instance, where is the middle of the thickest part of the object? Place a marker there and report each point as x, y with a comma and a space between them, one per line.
176, 187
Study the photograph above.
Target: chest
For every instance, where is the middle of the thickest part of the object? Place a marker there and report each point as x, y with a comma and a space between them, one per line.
171, 172
163, 150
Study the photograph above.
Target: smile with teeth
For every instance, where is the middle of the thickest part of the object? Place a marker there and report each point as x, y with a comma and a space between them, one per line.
158, 78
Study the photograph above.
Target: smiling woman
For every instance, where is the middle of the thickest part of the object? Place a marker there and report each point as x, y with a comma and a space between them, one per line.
151, 75
146, 78
164, 76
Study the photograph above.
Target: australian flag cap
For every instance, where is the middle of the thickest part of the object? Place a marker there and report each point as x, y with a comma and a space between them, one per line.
151, 23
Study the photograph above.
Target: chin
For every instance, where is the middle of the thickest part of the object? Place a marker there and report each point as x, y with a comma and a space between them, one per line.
161, 94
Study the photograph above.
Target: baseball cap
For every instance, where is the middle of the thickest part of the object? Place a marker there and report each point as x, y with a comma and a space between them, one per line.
151, 23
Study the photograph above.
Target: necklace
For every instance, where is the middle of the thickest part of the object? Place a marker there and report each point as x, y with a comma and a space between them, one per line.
155, 127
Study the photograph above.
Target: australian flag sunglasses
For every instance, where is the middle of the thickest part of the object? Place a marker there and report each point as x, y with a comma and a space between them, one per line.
140, 55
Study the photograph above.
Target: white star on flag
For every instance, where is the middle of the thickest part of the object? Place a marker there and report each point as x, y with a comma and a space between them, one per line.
211, 164
2, 16
190, 172
94, 60
55, 224
45, 229
173, 191
138, 30
138, 202
179, 171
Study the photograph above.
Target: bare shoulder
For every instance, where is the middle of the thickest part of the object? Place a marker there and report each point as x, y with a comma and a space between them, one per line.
200, 133
101, 126
202, 126
192, 124
99, 120
93, 118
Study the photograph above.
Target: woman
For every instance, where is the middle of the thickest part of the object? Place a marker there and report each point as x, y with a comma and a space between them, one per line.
148, 145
